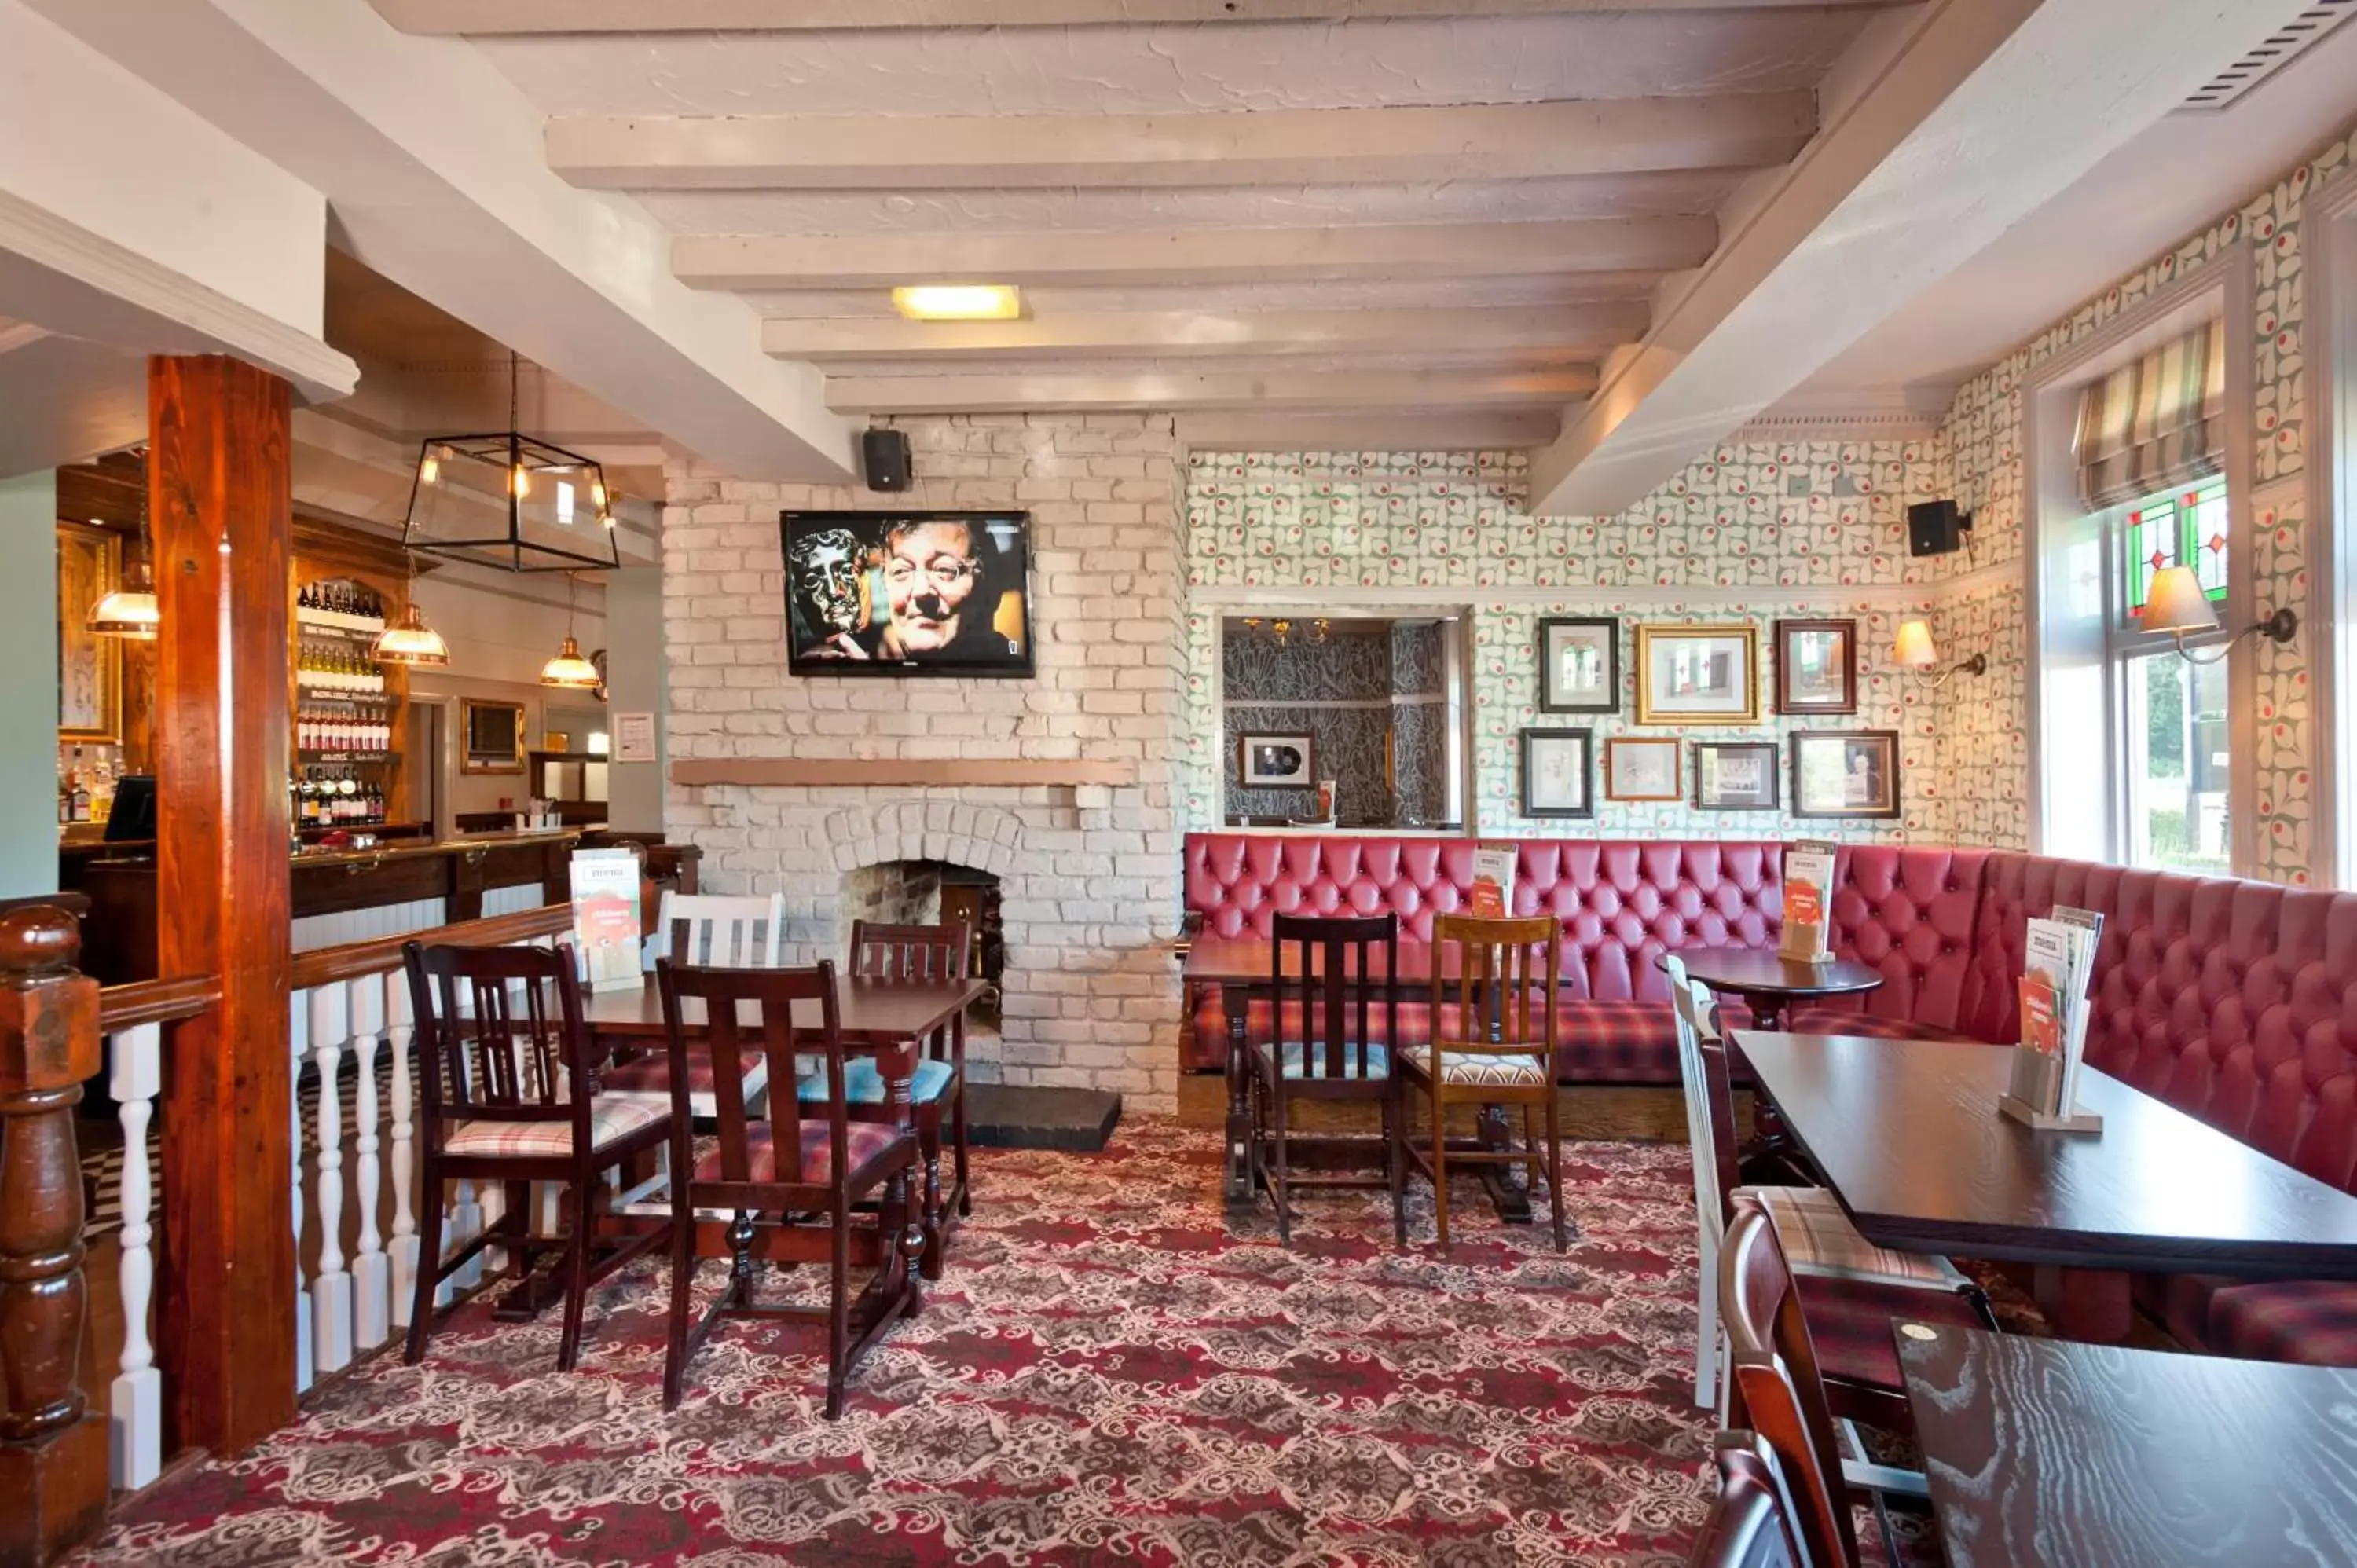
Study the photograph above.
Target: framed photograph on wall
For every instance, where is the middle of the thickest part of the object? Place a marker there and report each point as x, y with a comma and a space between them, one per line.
1846, 773
1558, 769
908, 593
1697, 674
1580, 664
1637, 769
1816, 666
1276, 761
90, 667
1736, 776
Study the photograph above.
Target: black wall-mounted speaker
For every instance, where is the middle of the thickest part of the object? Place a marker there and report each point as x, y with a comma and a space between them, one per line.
885, 455
1936, 528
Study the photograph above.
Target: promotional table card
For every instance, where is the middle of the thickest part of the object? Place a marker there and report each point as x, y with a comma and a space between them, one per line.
2058, 965
1808, 883
1493, 896
606, 917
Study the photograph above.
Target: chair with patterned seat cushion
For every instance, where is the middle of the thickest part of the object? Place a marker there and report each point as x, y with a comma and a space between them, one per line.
912, 954
1334, 976
510, 1078
1494, 1045
1816, 1236
809, 1184
714, 929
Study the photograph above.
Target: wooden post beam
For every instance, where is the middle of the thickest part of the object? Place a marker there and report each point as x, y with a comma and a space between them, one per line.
221, 488
52, 1449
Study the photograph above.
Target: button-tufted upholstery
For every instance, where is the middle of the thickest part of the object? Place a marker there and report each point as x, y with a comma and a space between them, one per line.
1908, 912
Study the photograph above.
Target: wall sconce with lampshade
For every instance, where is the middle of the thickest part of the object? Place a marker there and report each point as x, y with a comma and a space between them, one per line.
2177, 604
1914, 649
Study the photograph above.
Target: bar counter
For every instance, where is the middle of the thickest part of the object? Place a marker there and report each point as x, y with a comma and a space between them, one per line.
339, 894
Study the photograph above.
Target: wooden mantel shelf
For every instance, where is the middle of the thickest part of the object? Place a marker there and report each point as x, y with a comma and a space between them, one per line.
837, 771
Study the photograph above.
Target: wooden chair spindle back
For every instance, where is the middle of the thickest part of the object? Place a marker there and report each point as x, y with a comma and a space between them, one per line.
722, 995
1339, 966
1507, 971
879, 952
503, 1033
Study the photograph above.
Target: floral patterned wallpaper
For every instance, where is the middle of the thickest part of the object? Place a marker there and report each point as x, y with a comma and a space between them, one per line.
1985, 435
1754, 532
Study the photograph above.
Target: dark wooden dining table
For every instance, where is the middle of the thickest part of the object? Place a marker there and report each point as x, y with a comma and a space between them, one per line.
1238, 966
1907, 1136
1769, 984
2043, 1454
870, 1014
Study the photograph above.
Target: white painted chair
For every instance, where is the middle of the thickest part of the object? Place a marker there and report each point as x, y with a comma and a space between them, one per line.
720, 930
1817, 1238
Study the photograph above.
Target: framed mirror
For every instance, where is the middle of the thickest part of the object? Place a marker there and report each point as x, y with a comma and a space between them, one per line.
491, 737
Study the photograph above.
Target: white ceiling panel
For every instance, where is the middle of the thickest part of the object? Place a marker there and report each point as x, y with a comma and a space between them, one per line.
1340, 293
1161, 70
1003, 211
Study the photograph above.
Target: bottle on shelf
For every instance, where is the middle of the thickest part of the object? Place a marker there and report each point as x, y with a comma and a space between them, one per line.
79, 796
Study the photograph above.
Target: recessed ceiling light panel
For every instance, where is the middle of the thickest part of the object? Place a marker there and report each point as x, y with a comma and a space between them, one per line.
959, 301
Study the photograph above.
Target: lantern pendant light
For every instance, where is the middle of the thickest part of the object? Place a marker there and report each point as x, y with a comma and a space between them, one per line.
569, 671
507, 499
130, 611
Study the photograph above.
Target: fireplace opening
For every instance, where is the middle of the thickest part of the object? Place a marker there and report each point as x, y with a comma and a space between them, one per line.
930, 893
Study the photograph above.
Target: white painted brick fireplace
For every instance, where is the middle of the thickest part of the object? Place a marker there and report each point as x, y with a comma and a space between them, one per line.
1088, 872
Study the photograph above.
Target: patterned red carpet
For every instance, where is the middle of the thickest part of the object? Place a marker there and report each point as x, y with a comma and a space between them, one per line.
1112, 1372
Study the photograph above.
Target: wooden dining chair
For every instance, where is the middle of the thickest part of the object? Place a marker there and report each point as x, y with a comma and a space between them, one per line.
1494, 1046
1751, 1522
1850, 1274
511, 1095
790, 1187
917, 954
1333, 1015
714, 928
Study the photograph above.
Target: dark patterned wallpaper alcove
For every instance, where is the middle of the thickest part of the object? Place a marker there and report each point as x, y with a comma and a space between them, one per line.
1351, 693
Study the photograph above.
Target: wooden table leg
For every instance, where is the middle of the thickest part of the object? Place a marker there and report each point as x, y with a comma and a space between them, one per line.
1235, 999
2089, 1305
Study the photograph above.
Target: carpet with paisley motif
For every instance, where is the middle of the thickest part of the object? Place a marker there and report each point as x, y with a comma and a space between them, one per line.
1112, 1372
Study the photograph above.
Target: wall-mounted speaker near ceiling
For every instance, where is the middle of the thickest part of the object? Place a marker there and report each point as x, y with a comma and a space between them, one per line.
884, 454
1936, 528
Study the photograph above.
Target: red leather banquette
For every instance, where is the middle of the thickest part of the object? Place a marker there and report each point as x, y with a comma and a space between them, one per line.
2234, 1000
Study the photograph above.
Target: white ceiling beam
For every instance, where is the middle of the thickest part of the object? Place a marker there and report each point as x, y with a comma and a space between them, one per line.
1049, 393
430, 161
751, 262
1371, 430
484, 18
1274, 146
1175, 333
1979, 114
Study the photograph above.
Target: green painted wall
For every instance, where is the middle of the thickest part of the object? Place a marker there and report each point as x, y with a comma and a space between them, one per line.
28, 688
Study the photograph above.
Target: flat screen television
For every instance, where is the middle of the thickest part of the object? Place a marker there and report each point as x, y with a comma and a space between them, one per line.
908, 593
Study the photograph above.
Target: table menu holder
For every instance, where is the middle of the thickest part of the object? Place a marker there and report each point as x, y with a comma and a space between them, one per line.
2086, 1121
2043, 1090
1808, 881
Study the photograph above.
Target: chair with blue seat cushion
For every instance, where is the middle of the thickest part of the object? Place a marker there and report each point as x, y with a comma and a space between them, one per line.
916, 955
1335, 977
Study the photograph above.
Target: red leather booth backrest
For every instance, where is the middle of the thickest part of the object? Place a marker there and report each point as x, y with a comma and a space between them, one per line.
1908, 912
2234, 1000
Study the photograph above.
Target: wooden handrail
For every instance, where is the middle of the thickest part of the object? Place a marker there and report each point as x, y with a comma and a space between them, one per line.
328, 965
122, 1007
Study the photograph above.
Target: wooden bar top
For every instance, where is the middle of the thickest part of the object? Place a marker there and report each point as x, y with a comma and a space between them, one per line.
475, 845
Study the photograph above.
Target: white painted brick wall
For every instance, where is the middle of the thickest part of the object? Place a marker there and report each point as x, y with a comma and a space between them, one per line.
1090, 895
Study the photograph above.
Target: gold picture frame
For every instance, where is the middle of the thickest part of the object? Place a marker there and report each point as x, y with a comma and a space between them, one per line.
490, 736
90, 667
1698, 674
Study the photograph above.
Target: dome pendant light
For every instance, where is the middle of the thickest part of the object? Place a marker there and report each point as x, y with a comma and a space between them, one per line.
410, 640
569, 671
130, 611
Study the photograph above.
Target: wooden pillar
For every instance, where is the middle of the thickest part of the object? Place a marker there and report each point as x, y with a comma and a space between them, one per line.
221, 496
52, 1450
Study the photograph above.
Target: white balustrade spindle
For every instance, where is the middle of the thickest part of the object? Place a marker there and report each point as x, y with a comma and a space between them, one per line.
399, 1029
370, 1323
298, 1031
331, 1288
136, 1405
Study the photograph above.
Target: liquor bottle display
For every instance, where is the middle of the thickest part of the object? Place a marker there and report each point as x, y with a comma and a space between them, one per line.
348, 708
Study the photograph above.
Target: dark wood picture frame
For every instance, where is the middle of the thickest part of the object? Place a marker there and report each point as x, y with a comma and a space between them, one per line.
1308, 743
1586, 740
1787, 632
1549, 700
1772, 770
1676, 749
1886, 806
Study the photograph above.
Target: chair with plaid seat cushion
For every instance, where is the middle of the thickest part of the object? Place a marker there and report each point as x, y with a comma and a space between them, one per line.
1816, 1235
917, 954
510, 1076
1334, 977
649, 1076
844, 1197
1493, 1045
